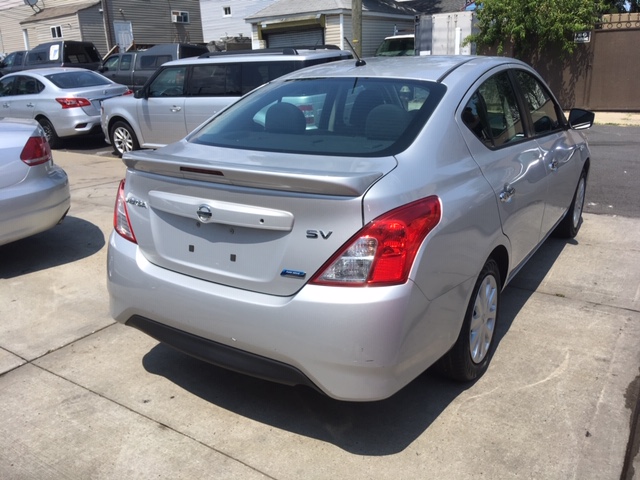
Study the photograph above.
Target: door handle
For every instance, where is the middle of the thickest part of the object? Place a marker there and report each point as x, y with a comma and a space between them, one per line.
507, 193
175, 108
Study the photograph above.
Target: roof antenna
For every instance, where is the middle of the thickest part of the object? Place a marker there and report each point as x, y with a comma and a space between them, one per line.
360, 62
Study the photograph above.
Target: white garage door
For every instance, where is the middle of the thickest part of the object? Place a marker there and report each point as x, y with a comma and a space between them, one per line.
295, 38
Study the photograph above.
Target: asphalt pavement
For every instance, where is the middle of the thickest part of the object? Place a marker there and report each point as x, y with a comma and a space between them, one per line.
82, 397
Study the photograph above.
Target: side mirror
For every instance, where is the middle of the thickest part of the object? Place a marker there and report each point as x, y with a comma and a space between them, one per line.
141, 93
580, 119
103, 69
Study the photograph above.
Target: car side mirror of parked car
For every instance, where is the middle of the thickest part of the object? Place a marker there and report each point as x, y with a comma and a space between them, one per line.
580, 119
142, 93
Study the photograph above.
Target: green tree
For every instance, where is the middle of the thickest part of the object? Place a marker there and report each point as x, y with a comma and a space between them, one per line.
531, 24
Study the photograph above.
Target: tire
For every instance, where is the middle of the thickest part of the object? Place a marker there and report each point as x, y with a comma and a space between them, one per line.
469, 357
123, 139
572, 221
50, 133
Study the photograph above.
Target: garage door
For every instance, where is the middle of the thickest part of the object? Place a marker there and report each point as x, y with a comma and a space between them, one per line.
299, 37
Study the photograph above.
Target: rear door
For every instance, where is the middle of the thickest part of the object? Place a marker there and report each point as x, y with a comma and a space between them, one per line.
161, 116
493, 127
27, 96
211, 88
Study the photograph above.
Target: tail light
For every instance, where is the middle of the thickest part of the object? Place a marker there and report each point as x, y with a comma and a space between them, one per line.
383, 251
121, 222
73, 102
36, 151
128, 92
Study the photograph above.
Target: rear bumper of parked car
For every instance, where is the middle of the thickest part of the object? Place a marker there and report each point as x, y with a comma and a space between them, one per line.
358, 344
33, 207
77, 124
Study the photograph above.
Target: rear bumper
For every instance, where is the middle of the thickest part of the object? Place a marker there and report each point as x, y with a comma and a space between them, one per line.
221, 355
31, 207
357, 344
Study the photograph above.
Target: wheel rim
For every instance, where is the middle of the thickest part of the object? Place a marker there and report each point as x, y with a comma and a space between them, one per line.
483, 319
122, 140
579, 202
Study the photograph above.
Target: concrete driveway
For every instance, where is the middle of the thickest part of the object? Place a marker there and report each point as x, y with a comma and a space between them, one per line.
84, 398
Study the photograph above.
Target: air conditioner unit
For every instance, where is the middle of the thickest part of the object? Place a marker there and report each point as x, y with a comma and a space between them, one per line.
179, 16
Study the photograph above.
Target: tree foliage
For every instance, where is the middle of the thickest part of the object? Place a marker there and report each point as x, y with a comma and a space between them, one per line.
533, 24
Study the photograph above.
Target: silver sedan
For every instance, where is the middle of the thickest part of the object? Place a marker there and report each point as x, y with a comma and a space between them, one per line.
34, 192
351, 253
65, 101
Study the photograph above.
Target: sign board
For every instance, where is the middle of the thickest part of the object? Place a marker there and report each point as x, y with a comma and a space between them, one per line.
582, 37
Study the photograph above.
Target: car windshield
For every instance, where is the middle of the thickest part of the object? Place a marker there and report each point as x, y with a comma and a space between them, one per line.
75, 79
326, 116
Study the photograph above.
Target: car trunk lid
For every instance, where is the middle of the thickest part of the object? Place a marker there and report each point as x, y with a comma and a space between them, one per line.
259, 221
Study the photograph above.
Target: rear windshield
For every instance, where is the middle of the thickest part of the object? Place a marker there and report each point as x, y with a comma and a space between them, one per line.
77, 79
336, 116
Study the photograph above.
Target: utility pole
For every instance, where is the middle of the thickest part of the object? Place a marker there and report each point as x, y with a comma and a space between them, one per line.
356, 25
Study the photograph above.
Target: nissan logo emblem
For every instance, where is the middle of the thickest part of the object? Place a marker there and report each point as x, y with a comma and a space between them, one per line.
204, 213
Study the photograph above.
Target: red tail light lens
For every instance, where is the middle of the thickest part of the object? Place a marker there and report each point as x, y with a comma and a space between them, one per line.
382, 253
73, 102
36, 151
121, 222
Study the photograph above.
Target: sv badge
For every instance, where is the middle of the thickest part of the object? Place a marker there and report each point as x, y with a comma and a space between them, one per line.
318, 234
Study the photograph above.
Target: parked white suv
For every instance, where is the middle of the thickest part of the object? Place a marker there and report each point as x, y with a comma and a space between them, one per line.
182, 94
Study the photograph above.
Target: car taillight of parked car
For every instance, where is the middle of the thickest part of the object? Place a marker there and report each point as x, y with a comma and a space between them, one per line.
73, 102
36, 151
121, 222
383, 251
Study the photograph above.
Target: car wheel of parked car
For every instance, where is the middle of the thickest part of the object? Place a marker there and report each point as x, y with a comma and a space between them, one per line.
571, 223
123, 139
50, 132
469, 357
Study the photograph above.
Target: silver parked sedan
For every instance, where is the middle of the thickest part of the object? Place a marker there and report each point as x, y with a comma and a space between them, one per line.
65, 101
352, 253
34, 192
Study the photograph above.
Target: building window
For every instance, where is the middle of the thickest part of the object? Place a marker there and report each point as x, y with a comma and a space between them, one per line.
56, 32
227, 11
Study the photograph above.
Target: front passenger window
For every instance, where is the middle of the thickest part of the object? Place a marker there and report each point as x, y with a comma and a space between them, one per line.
544, 111
168, 83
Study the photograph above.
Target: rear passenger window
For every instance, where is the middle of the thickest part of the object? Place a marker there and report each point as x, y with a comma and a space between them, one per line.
545, 113
216, 80
492, 113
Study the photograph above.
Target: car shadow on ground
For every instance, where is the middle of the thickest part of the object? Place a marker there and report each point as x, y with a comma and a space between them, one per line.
374, 429
67, 242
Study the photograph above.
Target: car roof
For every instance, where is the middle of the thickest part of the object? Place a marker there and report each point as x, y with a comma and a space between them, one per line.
428, 67
48, 71
271, 56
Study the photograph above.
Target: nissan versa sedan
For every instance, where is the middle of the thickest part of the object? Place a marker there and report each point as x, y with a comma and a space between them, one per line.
352, 253
65, 101
34, 192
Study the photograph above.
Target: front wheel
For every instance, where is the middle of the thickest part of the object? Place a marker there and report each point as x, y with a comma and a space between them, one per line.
123, 138
571, 223
469, 357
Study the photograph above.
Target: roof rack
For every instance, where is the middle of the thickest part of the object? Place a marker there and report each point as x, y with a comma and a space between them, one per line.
271, 51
